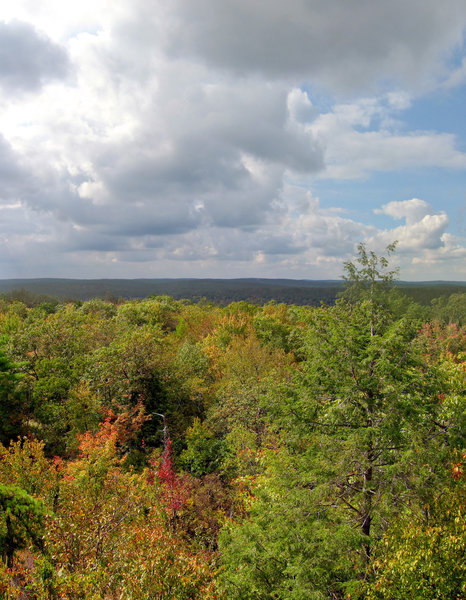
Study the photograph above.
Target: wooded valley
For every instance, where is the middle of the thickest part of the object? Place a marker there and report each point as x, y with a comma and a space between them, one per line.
168, 449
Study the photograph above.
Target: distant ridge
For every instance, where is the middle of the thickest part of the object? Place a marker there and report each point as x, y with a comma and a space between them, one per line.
218, 291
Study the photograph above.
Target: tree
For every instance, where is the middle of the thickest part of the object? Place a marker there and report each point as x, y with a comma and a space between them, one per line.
351, 426
21, 520
204, 452
422, 555
111, 532
450, 310
369, 276
11, 406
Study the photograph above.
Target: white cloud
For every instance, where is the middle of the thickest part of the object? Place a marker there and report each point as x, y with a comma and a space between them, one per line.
186, 129
457, 77
423, 230
413, 210
359, 139
300, 106
425, 250
399, 100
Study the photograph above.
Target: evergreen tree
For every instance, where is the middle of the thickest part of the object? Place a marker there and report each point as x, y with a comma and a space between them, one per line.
352, 427
10, 400
21, 519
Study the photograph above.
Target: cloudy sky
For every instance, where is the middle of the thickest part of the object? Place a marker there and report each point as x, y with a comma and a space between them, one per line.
231, 138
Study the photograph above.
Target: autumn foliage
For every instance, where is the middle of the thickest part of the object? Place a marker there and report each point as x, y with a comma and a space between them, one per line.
165, 450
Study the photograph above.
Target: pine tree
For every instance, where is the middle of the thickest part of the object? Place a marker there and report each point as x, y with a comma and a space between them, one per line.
352, 425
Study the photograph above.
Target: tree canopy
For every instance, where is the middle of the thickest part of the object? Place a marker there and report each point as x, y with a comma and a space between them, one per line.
168, 449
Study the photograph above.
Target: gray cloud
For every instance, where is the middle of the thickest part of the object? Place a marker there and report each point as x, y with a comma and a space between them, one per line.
28, 58
208, 155
187, 136
13, 178
339, 43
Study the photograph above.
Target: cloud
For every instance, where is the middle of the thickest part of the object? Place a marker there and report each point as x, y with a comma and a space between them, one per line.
361, 137
196, 153
414, 210
342, 45
14, 179
424, 227
28, 59
297, 239
457, 77
192, 133
300, 106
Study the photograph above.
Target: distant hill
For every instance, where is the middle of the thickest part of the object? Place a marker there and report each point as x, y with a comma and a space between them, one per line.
219, 291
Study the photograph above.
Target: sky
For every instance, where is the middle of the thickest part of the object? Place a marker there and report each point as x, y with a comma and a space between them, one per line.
231, 138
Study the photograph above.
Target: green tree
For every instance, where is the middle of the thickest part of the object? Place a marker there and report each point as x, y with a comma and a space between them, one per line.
21, 520
204, 452
451, 309
351, 426
422, 556
11, 404
369, 276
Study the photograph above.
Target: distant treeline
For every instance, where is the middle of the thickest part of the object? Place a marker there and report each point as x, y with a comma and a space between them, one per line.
218, 291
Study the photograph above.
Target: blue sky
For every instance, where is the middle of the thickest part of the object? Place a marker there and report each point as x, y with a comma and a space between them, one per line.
241, 138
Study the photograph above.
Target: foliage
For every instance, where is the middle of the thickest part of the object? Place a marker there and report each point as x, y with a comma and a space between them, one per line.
451, 309
369, 276
21, 519
204, 452
322, 448
422, 556
288, 547
11, 405
111, 533
23, 464
353, 425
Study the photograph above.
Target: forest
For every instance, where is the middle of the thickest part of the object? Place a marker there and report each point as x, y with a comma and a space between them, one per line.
303, 292
167, 449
